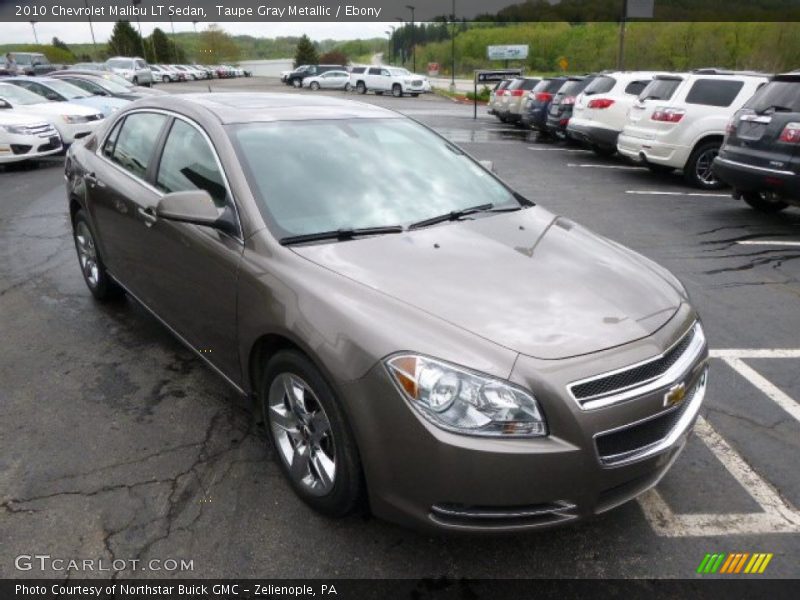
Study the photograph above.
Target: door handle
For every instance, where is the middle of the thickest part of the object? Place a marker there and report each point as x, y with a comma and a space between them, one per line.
148, 215
92, 180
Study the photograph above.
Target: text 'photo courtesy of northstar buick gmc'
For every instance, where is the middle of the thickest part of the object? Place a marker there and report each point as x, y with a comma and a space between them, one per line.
418, 337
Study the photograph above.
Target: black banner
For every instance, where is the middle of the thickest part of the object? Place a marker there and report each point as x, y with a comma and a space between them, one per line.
362, 589
574, 11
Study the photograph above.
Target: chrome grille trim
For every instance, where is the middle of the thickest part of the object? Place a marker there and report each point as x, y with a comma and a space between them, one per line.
693, 351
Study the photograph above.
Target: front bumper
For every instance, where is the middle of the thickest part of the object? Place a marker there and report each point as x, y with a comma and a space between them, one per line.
421, 476
653, 151
16, 148
748, 178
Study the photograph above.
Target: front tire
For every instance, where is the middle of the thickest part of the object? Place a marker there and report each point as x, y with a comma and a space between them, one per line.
165, 79
314, 86
97, 279
313, 444
698, 172
298, 83
135, 80
397, 90
347, 87
765, 202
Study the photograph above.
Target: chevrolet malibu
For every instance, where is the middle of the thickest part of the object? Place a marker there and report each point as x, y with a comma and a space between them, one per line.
425, 338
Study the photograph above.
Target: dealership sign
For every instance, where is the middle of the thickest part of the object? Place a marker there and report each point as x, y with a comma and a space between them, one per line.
507, 52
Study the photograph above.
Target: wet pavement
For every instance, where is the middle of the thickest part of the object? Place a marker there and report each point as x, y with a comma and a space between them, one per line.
116, 443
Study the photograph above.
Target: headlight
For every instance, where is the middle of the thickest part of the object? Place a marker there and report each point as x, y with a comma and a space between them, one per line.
462, 401
72, 119
17, 129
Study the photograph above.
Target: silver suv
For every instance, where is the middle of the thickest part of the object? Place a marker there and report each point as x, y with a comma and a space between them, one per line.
136, 70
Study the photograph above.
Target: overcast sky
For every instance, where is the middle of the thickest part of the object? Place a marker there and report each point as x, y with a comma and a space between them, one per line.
76, 33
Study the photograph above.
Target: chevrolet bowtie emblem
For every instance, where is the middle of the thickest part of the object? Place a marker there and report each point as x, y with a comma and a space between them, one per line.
675, 395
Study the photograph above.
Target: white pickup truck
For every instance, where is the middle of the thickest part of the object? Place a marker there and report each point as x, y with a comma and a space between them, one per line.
394, 80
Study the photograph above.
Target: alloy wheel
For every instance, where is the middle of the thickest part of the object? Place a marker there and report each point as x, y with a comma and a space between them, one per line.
703, 169
87, 254
302, 434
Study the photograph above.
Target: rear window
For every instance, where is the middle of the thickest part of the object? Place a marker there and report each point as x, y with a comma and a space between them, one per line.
660, 89
548, 85
634, 88
601, 85
515, 84
779, 95
503, 84
573, 88
713, 92
529, 84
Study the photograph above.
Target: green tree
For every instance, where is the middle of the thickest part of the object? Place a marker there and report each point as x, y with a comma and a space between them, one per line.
57, 43
124, 40
162, 51
216, 46
306, 53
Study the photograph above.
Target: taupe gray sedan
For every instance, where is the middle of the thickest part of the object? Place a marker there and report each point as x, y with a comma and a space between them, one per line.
413, 331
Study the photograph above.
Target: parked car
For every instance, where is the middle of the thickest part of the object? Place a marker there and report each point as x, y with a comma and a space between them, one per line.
96, 86
329, 80
72, 121
513, 99
162, 74
496, 95
58, 90
191, 73
534, 112
601, 111
383, 79
25, 137
177, 74
295, 78
136, 91
563, 385
32, 63
679, 121
760, 157
133, 69
560, 111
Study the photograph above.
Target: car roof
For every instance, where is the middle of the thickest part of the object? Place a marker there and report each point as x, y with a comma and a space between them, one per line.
238, 107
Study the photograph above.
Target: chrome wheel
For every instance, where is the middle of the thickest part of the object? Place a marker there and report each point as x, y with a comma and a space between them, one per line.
302, 434
87, 254
703, 169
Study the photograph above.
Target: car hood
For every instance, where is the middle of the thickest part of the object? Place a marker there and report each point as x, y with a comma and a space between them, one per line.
58, 108
529, 281
103, 104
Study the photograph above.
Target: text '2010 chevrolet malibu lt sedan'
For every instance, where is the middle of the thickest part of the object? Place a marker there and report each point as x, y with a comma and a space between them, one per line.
412, 330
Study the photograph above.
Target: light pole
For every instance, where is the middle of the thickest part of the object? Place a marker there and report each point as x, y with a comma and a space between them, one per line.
33, 26
91, 27
621, 51
388, 45
174, 45
413, 40
139, 25
402, 40
453, 49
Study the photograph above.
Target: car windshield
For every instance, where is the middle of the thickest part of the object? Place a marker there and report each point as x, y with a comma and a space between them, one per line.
17, 95
776, 93
66, 89
120, 63
110, 85
384, 172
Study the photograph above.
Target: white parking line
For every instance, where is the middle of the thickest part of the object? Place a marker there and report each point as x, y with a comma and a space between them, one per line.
767, 243
778, 516
661, 193
596, 166
540, 149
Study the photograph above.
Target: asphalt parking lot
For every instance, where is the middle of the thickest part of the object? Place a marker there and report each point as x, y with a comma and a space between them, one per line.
116, 443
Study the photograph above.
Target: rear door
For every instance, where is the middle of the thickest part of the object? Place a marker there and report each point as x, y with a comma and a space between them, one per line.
761, 133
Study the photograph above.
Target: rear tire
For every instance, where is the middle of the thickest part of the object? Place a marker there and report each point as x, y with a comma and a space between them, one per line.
97, 279
347, 87
308, 429
698, 172
765, 202
604, 151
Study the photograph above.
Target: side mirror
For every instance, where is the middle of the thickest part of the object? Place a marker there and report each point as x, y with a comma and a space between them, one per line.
196, 207
100, 93
53, 96
193, 206
488, 165
4, 104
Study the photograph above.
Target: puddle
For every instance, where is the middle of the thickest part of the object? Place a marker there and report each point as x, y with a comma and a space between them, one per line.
467, 136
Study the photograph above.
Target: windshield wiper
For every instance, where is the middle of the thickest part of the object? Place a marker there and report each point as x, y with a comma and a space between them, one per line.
339, 234
453, 215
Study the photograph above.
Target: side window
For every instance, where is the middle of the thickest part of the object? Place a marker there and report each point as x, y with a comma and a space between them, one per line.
136, 141
385, 73
111, 140
713, 92
188, 163
139, 64
374, 71
635, 88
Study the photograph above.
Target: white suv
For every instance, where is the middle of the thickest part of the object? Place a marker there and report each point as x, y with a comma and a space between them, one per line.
679, 121
133, 69
394, 80
601, 110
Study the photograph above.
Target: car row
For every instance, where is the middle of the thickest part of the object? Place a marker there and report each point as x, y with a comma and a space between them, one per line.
664, 121
397, 81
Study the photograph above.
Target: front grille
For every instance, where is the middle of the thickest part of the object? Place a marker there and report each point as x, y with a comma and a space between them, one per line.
44, 130
604, 385
641, 435
460, 515
416, 82
48, 146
